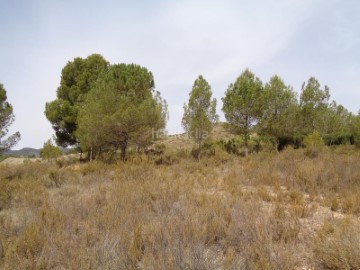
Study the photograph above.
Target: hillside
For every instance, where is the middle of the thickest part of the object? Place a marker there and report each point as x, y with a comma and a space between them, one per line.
183, 141
24, 152
286, 210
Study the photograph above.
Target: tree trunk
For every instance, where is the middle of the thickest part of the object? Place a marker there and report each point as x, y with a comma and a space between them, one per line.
91, 153
199, 156
123, 151
246, 135
277, 145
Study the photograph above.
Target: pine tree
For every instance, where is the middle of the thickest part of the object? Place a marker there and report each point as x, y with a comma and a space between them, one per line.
200, 112
6, 119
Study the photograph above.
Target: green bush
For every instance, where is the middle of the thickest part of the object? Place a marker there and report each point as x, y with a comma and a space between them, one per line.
313, 143
313, 140
50, 151
357, 140
234, 146
262, 144
339, 139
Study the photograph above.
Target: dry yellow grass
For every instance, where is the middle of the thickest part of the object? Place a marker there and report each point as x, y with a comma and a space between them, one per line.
258, 212
184, 142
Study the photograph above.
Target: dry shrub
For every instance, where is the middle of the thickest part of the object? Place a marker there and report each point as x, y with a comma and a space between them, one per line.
54, 178
314, 144
244, 213
334, 203
261, 241
27, 170
24, 251
264, 194
19, 183
7, 188
350, 202
336, 245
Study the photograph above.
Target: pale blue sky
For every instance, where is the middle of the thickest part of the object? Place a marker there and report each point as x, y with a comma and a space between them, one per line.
177, 41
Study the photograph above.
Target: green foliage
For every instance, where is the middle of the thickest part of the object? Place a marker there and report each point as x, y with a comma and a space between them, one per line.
336, 119
200, 112
77, 78
314, 104
296, 140
354, 127
275, 112
50, 151
339, 138
3, 157
313, 143
264, 143
357, 140
289, 122
353, 122
279, 111
121, 108
6, 119
211, 149
313, 140
234, 145
242, 104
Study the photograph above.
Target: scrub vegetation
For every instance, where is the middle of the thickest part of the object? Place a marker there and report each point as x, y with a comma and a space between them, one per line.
275, 187
268, 210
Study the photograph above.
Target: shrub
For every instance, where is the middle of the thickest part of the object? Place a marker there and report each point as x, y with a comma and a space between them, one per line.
264, 194
313, 140
337, 245
338, 139
258, 212
50, 151
53, 178
196, 152
6, 189
282, 142
263, 144
234, 146
357, 140
214, 150
313, 143
166, 159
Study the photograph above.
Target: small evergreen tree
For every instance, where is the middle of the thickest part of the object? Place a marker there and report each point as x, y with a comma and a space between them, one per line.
242, 104
77, 78
50, 151
121, 108
200, 112
279, 110
314, 105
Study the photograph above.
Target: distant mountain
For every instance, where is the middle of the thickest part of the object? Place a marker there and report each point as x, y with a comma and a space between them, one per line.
25, 152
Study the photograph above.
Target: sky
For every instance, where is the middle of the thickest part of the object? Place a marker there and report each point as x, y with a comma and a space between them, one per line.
177, 41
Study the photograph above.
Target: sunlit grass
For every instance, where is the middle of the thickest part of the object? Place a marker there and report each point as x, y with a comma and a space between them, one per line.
257, 212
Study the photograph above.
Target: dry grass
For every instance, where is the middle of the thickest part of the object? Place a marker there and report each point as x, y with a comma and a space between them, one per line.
258, 212
184, 142
337, 245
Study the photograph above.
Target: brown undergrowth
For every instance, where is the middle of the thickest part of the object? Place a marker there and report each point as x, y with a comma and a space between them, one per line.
265, 211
